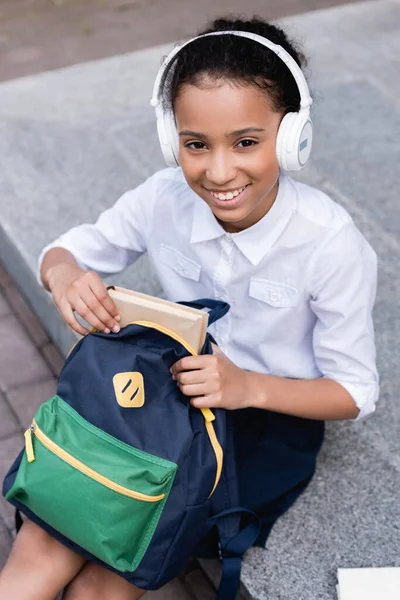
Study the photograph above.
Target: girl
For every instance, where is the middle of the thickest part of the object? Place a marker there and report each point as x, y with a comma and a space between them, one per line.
297, 346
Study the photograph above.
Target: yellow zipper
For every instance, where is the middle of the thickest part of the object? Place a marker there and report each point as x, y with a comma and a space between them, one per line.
29, 445
219, 455
207, 413
172, 334
77, 464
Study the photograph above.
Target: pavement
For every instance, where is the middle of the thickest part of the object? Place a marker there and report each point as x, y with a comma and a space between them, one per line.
29, 363
93, 136
38, 35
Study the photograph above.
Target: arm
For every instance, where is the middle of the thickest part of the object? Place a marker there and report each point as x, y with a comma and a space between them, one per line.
322, 399
76, 290
216, 382
53, 261
71, 267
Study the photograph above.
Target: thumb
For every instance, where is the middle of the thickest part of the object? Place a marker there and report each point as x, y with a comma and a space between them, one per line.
216, 349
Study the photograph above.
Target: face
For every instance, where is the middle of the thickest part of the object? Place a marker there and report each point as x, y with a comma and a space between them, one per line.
227, 150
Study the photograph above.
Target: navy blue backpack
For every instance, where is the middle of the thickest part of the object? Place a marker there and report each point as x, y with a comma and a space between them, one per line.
122, 469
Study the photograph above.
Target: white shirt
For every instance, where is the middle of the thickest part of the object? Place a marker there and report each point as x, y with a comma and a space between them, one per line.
301, 282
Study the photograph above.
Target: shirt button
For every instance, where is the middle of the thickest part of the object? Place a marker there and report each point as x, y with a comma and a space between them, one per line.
274, 297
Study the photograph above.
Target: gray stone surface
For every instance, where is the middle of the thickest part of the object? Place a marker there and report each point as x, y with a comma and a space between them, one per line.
71, 141
26, 400
10, 447
5, 544
368, 144
8, 422
19, 363
4, 308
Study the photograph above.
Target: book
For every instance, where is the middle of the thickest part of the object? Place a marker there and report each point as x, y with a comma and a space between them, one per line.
369, 584
188, 323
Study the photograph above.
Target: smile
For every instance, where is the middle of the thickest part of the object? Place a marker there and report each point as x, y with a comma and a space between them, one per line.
227, 195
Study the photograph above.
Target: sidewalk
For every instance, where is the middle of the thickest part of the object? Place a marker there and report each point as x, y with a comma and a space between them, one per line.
38, 35
29, 364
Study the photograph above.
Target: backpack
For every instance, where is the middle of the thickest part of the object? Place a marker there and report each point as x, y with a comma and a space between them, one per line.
121, 468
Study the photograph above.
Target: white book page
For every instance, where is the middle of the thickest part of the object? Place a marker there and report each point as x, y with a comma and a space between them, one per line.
369, 584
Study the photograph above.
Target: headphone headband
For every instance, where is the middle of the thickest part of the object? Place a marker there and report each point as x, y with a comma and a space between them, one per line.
305, 98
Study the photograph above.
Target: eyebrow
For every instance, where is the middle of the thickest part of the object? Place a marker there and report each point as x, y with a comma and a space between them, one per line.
238, 132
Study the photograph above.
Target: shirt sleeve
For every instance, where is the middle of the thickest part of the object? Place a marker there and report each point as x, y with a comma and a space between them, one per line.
117, 239
343, 289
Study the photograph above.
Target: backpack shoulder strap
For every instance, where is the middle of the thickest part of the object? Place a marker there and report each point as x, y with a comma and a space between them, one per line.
237, 527
235, 538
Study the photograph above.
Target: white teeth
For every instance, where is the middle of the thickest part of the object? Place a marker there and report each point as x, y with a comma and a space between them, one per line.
229, 195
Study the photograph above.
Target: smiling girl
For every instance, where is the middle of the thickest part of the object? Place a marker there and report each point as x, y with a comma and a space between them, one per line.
297, 346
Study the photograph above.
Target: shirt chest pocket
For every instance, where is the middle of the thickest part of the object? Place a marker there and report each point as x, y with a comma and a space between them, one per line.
274, 293
179, 263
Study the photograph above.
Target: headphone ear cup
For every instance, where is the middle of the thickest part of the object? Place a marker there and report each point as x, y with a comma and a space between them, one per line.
294, 141
283, 139
173, 137
168, 136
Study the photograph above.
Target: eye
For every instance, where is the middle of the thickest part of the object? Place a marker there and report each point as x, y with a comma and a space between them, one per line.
195, 145
247, 143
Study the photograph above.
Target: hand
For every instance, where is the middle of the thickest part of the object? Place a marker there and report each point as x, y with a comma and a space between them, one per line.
213, 381
75, 289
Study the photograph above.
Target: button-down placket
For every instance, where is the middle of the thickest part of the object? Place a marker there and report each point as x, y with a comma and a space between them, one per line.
221, 278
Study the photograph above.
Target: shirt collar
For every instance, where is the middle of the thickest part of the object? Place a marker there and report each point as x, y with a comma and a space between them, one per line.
255, 241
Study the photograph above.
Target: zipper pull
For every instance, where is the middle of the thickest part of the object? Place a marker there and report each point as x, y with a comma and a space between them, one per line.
208, 414
28, 444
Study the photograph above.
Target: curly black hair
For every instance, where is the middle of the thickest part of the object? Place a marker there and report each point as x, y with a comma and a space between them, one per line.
229, 57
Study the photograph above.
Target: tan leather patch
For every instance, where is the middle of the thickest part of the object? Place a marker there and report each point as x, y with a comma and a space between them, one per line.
129, 389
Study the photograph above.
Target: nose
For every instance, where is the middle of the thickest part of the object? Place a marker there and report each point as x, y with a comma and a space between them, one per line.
221, 168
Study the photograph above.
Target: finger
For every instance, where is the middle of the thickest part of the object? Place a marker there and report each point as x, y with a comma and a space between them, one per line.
207, 401
100, 291
198, 389
192, 377
191, 363
216, 349
71, 320
93, 303
86, 313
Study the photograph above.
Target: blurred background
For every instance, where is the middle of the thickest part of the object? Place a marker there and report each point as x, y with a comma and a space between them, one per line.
36, 35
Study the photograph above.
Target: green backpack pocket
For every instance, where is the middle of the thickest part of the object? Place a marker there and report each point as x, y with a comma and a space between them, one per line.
99, 492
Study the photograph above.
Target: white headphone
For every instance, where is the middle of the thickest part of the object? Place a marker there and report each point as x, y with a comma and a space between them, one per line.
294, 140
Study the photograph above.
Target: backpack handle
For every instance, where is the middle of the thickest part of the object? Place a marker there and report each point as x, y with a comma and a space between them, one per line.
217, 308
